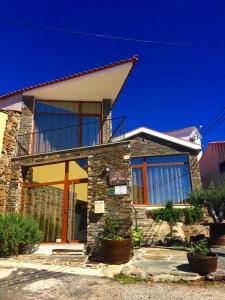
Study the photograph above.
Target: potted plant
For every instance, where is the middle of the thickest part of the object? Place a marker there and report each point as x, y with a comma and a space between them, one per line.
213, 199
116, 247
201, 259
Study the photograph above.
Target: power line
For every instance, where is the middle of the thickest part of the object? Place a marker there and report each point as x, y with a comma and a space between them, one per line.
114, 37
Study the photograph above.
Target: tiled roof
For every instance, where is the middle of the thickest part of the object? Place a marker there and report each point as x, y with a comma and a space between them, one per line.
121, 62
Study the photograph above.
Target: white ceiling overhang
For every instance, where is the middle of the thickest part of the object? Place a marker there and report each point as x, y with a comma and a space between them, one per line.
96, 86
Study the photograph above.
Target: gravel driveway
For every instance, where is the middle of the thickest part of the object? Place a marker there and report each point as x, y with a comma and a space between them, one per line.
61, 286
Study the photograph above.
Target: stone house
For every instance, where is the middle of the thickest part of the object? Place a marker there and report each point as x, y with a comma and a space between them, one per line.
66, 162
164, 168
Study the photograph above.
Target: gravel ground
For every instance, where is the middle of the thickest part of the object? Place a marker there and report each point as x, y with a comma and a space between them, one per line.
60, 287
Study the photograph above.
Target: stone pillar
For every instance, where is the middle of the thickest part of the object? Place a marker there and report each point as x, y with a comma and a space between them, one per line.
119, 206
26, 123
8, 152
195, 171
107, 122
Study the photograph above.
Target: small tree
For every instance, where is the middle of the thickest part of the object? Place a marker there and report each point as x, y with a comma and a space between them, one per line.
212, 198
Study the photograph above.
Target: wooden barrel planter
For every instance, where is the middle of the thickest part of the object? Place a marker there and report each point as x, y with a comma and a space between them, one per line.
117, 252
203, 264
217, 234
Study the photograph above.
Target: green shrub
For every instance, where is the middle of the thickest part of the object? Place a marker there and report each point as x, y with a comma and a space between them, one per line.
193, 215
137, 236
189, 215
18, 234
199, 248
112, 228
212, 198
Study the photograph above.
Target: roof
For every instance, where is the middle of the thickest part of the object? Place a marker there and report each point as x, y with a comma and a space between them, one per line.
133, 59
183, 133
160, 135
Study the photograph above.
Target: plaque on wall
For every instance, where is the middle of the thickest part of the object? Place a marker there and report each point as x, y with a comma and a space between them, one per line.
117, 177
120, 190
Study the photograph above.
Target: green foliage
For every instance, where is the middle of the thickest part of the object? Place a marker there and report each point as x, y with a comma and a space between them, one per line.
213, 198
137, 236
18, 234
189, 215
193, 215
112, 228
199, 248
127, 279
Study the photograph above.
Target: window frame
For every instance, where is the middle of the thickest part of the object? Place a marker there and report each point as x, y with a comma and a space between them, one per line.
80, 114
143, 167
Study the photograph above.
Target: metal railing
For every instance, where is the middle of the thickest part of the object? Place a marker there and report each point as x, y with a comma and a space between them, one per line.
80, 135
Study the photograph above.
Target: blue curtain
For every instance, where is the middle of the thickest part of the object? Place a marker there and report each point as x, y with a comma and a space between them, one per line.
168, 183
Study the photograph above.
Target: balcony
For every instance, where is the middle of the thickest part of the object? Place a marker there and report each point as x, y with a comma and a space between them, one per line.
69, 137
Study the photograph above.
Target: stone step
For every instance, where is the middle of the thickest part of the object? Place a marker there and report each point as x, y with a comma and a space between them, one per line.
66, 252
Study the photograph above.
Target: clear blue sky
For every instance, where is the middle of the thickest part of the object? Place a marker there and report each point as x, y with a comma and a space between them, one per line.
171, 87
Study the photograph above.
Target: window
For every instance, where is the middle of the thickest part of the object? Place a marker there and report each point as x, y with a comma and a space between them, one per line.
222, 167
159, 179
65, 124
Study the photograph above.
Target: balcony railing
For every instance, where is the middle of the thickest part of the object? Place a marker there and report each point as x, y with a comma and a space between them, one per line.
61, 138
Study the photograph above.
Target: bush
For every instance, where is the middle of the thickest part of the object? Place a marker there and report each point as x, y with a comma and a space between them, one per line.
18, 234
212, 198
112, 228
189, 215
137, 236
199, 248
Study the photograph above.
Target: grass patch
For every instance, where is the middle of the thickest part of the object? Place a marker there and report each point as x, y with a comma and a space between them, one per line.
128, 279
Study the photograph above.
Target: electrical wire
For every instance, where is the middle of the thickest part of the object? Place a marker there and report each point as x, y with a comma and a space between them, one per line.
114, 37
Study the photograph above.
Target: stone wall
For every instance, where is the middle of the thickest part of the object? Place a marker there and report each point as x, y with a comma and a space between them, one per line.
115, 156
8, 151
155, 233
26, 123
143, 145
107, 120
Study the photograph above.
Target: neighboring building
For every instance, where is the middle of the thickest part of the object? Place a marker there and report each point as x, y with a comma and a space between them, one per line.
212, 163
63, 156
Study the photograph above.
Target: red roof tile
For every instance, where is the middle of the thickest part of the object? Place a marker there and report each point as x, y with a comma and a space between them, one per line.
133, 59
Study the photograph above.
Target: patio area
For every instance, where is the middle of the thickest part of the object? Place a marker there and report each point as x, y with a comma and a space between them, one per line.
155, 264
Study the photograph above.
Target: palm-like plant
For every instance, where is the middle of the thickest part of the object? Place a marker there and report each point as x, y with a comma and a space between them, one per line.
212, 198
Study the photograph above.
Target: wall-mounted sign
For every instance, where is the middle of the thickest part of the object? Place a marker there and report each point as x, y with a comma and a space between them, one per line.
117, 177
99, 207
120, 190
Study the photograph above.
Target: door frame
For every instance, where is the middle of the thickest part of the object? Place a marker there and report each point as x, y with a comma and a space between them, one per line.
66, 182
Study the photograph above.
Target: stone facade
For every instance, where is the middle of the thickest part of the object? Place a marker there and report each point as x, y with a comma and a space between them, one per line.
107, 120
8, 152
115, 156
143, 145
24, 134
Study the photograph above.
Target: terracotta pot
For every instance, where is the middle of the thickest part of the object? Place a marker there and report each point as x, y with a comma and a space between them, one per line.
217, 234
117, 252
203, 264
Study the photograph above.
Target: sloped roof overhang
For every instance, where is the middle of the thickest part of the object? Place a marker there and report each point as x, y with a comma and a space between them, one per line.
97, 84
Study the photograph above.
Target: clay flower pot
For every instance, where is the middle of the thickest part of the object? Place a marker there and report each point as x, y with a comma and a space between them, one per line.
203, 264
217, 234
117, 252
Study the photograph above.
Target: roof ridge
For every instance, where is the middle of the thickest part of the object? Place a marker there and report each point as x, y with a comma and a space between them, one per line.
133, 59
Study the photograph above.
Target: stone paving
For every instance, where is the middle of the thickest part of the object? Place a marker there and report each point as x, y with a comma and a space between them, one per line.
156, 264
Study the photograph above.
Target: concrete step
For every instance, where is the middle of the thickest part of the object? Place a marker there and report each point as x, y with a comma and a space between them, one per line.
70, 247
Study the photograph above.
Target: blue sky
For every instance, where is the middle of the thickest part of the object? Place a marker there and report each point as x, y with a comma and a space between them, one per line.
171, 87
